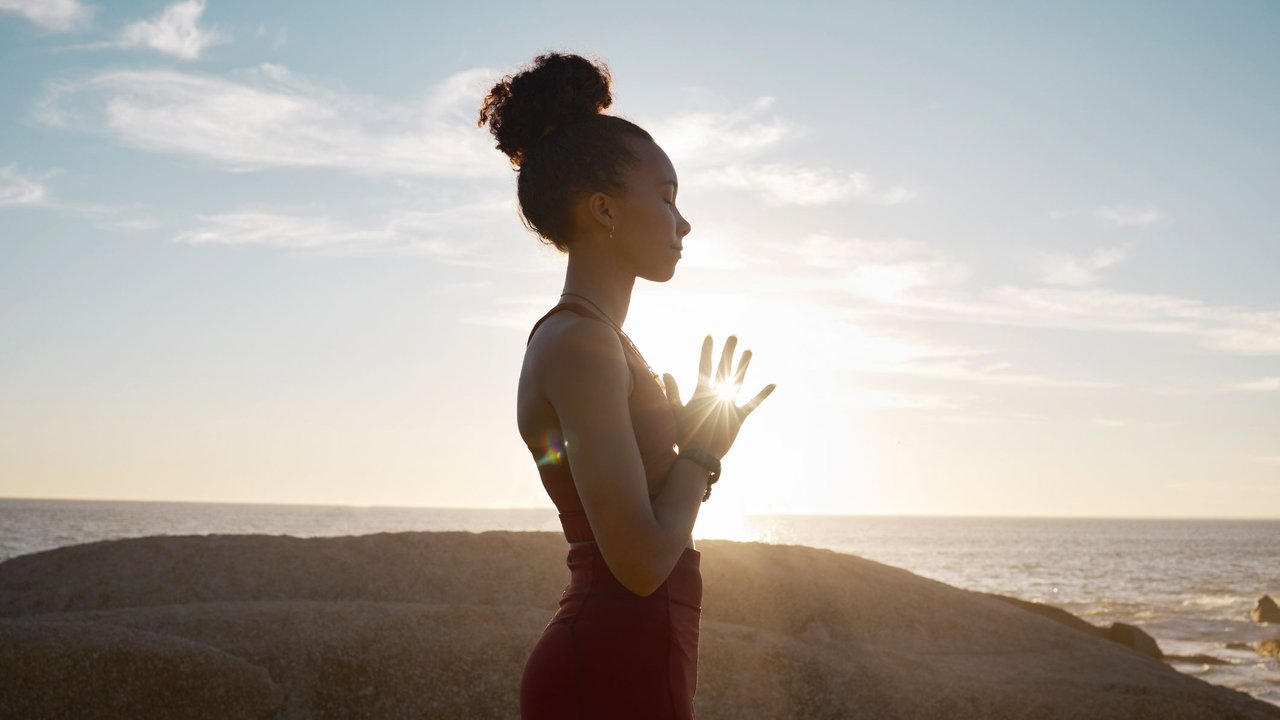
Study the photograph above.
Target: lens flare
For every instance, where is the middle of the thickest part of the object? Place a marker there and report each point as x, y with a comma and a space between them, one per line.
555, 450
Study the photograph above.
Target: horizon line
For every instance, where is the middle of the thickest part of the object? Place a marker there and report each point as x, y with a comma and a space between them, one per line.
552, 509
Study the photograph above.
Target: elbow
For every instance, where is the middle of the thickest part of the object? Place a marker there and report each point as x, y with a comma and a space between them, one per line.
642, 590
638, 578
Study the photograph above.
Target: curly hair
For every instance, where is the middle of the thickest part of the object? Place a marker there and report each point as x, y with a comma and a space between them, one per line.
547, 120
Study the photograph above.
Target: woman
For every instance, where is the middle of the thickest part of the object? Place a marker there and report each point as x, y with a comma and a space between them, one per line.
624, 643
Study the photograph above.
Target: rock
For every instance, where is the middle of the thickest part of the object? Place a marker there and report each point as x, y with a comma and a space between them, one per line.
1055, 614
1268, 648
1197, 659
1130, 636
440, 625
1136, 638
1266, 611
60, 668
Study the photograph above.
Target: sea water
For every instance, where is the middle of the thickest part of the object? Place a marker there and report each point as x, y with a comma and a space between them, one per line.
1190, 584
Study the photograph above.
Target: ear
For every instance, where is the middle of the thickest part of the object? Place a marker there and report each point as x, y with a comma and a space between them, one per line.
599, 206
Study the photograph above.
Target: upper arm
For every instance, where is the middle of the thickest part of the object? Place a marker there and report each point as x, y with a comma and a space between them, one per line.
586, 380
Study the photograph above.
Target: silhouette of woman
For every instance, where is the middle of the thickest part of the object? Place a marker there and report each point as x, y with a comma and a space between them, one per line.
601, 427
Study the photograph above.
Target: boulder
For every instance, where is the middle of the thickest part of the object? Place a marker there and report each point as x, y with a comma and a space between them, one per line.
440, 625
1135, 638
65, 668
1266, 611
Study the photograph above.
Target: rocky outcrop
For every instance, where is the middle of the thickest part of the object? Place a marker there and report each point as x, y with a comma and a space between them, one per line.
1132, 637
440, 624
1266, 611
65, 668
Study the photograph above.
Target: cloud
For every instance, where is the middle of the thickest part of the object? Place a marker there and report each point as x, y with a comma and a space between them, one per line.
709, 148
17, 189
1222, 327
906, 279
709, 138
272, 118
880, 269
1064, 269
55, 15
175, 31
1127, 216
1270, 384
447, 236
787, 184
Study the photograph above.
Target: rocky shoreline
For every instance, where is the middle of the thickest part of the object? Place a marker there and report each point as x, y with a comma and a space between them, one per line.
438, 624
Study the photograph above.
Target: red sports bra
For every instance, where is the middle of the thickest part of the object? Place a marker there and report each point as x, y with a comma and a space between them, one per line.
652, 421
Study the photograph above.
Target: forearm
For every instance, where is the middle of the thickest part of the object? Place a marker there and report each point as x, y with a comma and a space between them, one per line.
676, 509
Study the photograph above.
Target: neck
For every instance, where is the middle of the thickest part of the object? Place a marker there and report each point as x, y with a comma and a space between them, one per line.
596, 278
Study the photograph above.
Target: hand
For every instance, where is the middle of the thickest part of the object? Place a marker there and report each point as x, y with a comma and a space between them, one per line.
711, 420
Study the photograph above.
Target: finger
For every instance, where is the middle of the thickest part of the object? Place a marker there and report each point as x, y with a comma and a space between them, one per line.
726, 359
742, 369
754, 402
704, 365
673, 391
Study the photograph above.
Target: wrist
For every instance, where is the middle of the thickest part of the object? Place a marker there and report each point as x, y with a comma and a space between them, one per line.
707, 461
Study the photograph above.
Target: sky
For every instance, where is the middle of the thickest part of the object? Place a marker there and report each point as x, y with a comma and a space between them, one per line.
999, 259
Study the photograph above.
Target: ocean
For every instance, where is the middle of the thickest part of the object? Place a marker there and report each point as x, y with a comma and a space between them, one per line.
1190, 584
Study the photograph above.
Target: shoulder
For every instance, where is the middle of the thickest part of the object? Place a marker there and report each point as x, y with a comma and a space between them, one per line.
572, 350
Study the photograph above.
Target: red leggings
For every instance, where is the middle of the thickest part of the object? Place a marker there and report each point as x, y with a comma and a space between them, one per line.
609, 654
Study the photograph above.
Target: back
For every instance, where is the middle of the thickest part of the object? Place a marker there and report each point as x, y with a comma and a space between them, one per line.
652, 422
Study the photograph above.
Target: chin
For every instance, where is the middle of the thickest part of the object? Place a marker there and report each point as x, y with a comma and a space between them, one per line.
661, 275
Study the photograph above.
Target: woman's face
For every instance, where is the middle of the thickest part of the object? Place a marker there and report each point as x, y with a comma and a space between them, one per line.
649, 230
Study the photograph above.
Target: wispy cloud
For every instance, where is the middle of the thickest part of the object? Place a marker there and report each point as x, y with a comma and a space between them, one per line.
1222, 327
1064, 269
1270, 384
55, 15
17, 189
786, 184
709, 148
880, 269
1127, 215
445, 236
175, 31
912, 280
273, 118
711, 138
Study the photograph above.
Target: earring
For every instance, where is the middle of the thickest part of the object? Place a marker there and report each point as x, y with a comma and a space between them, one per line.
610, 232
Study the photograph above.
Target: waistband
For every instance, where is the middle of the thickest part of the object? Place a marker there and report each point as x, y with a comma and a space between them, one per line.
576, 527
589, 573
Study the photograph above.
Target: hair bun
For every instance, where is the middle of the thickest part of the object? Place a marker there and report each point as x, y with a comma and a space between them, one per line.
558, 89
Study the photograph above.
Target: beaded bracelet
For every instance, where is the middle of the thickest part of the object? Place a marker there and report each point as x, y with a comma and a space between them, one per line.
706, 460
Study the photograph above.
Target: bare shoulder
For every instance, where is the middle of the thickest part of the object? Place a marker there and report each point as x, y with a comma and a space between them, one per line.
572, 351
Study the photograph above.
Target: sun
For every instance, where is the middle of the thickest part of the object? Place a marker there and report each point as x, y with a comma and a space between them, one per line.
725, 390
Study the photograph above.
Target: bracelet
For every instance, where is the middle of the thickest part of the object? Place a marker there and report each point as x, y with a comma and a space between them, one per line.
706, 460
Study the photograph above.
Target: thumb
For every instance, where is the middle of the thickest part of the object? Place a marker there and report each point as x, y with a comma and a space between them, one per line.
673, 391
